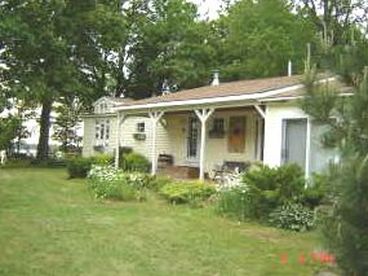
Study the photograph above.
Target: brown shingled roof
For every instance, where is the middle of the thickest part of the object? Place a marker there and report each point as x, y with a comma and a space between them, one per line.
224, 89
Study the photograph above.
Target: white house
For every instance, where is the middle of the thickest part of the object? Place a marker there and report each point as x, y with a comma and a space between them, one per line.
228, 123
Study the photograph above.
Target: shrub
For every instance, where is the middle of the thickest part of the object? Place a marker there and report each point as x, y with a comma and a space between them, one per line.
187, 192
292, 216
157, 182
316, 192
290, 182
135, 162
17, 163
235, 202
78, 167
49, 163
102, 159
262, 190
123, 151
268, 188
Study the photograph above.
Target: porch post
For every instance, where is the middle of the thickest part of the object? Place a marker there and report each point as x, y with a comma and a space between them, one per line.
307, 148
155, 117
119, 120
261, 131
203, 115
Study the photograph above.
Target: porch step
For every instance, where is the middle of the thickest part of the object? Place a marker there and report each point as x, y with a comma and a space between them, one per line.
180, 172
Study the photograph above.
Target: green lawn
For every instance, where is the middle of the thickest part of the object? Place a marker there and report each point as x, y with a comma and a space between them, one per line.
52, 226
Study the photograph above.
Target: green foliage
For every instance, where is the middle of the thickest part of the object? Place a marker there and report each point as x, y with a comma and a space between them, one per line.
130, 234
78, 167
170, 45
123, 151
106, 182
187, 192
8, 130
157, 182
68, 116
271, 187
292, 216
102, 159
65, 54
316, 192
235, 202
342, 223
17, 163
135, 162
250, 26
343, 227
262, 190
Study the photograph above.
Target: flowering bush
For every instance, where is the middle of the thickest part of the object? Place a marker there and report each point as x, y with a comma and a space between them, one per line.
228, 180
108, 182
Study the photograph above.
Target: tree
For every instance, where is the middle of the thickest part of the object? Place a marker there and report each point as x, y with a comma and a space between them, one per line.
344, 225
334, 19
167, 44
57, 48
68, 117
338, 24
259, 37
8, 130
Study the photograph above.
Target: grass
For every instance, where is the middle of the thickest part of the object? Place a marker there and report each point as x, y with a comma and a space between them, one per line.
52, 226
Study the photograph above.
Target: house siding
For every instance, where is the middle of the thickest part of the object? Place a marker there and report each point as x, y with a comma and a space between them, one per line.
129, 128
89, 140
216, 148
275, 114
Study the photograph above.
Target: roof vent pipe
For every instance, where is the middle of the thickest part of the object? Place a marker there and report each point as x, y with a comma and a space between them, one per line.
290, 68
216, 78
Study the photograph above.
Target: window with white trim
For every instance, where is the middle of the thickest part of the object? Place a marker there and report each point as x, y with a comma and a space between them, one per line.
102, 132
141, 127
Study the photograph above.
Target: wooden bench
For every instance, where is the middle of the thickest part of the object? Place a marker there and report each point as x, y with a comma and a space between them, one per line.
165, 160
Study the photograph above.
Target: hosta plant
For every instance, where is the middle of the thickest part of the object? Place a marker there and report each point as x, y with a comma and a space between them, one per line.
294, 217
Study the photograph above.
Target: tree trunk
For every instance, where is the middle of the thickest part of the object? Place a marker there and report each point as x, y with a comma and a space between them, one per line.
45, 122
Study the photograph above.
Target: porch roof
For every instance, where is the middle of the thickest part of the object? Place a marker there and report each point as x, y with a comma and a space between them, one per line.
239, 91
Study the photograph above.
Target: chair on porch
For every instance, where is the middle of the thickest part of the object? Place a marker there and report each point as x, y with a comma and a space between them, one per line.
229, 168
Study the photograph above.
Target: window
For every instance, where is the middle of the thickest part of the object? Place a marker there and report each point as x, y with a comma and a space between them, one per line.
218, 128
102, 132
218, 125
141, 127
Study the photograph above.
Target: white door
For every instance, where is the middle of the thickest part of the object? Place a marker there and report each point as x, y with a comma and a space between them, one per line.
193, 140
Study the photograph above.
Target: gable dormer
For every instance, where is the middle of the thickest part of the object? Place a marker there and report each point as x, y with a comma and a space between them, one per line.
103, 105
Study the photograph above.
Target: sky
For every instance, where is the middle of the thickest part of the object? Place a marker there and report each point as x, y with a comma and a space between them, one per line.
207, 7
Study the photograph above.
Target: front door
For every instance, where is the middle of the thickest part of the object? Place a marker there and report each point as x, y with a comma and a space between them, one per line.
193, 136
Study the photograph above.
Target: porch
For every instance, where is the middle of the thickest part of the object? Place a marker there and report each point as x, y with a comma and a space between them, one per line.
199, 141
